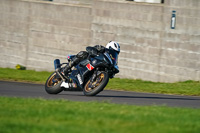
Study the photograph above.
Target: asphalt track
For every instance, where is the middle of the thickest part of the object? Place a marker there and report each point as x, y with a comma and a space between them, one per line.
27, 90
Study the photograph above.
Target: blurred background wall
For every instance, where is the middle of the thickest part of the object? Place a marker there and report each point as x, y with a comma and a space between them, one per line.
34, 32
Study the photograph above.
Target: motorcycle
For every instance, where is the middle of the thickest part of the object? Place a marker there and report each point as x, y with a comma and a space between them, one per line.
90, 75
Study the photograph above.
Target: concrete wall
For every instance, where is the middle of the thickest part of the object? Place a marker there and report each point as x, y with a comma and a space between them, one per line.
14, 25
33, 33
180, 48
138, 28
151, 50
84, 2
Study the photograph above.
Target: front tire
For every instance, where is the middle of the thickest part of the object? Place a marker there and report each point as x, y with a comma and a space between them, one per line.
52, 85
100, 83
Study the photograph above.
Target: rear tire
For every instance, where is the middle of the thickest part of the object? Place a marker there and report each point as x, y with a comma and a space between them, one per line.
52, 85
92, 92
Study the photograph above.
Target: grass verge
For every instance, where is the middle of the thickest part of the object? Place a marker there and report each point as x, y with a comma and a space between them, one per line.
23, 75
191, 88
179, 88
39, 115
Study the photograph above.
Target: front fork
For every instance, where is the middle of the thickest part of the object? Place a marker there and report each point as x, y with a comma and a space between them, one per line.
94, 75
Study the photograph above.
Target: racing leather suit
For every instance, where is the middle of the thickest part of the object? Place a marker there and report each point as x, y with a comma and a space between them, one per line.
90, 51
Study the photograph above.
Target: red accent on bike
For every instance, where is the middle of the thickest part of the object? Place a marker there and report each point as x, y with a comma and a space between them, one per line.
89, 67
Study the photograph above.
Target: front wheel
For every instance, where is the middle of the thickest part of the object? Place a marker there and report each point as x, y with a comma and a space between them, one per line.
93, 88
52, 85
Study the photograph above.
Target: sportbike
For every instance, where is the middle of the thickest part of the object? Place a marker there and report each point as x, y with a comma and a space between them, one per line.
90, 75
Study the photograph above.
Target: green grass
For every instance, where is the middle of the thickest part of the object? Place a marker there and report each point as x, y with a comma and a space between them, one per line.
56, 116
23, 75
179, 88
22, 115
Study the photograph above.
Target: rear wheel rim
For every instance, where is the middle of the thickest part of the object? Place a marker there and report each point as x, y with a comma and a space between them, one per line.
51, 83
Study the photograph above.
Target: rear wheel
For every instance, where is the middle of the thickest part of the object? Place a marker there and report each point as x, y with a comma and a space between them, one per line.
52, 85
93, 88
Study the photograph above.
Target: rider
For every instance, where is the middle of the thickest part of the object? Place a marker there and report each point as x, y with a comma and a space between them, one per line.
92, 51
